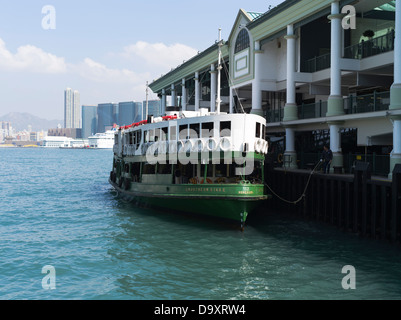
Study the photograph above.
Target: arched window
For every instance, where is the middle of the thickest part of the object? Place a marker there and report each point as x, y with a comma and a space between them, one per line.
242, 41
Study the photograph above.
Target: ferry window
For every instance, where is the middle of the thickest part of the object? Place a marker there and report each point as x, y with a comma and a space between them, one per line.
131, 138
194, 130
149, 169
225, 129
183, 132
157, 134
209, 170
164, 169
207, 129
221, 170
257, 130
146, 136
173, 133
263, 131
164, 133
151, 135
138, 138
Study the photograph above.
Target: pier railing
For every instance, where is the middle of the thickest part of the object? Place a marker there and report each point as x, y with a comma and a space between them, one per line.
370, 47
363, 49
380, 164
317, 63
377, 101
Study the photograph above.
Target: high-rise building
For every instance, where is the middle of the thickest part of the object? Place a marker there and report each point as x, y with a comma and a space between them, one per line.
77, 110
89, 121
129, 112
106, 116
154, 108
72, 115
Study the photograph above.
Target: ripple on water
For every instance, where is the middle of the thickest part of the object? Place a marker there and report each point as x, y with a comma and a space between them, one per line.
58, 209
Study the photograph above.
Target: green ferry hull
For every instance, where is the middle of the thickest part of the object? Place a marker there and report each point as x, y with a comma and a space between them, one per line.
231, 202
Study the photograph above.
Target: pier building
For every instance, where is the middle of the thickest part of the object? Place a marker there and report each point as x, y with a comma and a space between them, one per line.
320, 71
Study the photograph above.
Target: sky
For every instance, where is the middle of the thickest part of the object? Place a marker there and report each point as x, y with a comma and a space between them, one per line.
107, 50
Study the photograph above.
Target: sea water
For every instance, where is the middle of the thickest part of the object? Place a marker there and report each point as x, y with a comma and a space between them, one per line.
64, 234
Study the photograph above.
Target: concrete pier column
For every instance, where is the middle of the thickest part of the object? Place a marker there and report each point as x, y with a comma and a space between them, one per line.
164, 101
213, 87
335, 105
183, 96
335, 145
290, 155
395, 92
197, 91
173, 96
291, 109
256, 83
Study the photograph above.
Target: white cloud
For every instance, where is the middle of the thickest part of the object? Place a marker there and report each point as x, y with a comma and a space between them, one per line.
32, 59
121, 76
98, 72
160, 55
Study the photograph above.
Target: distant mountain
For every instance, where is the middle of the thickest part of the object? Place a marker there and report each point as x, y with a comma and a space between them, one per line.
21, 121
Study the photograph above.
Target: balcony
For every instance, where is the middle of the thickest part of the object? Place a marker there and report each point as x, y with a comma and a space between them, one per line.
317, 63
371, 47
377, 101
359, 51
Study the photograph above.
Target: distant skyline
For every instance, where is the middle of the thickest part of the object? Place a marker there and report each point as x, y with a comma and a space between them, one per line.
106, 50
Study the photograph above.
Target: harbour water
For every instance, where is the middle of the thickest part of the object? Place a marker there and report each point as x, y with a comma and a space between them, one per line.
57, 209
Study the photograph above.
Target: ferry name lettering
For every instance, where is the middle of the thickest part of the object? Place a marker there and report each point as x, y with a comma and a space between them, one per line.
203, 189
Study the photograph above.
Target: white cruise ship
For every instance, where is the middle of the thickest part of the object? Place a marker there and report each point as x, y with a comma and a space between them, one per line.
102, 140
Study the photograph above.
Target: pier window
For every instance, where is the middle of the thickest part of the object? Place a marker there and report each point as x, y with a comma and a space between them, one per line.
242, 42
207, 129
225, 129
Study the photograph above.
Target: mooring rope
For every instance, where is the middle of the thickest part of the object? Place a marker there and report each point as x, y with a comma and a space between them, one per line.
303, 194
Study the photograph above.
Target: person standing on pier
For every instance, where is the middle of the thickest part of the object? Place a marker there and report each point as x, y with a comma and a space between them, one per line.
327, 157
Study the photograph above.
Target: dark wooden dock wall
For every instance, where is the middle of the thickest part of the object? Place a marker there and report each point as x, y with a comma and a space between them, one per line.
358, 203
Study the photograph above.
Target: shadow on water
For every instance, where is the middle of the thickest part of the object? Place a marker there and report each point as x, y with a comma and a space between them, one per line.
329, 242
182, 218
